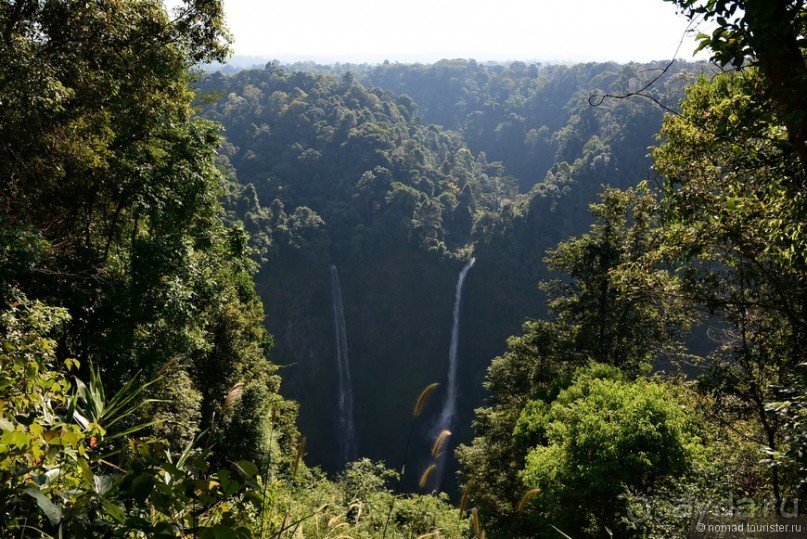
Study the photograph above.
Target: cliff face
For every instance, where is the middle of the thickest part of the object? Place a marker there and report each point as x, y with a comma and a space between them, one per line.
398, 312
398, 307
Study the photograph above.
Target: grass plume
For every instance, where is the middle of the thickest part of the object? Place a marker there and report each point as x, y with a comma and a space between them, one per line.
522, 503
423, 397
299, 455
358, 507
421, 400
466, 495
234, 394
168, 366
425, 477
439, 441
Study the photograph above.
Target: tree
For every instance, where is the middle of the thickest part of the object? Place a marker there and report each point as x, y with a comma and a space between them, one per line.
771, 34
597, 315
73, 463
732, 229
610, 320
109, 202
599, 438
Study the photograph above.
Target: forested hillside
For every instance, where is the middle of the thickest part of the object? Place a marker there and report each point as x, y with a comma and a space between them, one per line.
453, 300
333, 171
531, 117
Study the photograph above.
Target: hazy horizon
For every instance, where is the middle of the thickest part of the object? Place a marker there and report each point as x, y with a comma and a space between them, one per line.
372, 31
247, 61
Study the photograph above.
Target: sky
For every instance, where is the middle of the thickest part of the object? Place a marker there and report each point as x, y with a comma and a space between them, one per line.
429, 30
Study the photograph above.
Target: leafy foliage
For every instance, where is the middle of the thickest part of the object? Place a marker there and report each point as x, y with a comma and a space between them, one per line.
329, 167
531, 117
129, 233
109, 207
769, 35
733, 224
596, 317
70, 463
723, 240
598, 438
352, 160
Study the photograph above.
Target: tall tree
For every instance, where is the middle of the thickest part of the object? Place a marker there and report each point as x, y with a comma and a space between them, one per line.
109, 202
733, 233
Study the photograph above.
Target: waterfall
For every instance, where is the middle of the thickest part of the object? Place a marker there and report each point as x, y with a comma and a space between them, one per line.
347, 428
450, 406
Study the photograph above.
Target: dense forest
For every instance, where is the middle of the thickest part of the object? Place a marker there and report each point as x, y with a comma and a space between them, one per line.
360, 175
400, 300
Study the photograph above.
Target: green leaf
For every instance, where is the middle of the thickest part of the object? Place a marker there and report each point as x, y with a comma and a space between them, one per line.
229, 486
51, 510
89, 477
114, 510
224, 532
47, 478
102, 484
247, 468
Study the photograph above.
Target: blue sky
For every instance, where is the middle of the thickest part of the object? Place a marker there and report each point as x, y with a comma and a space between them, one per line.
428, 30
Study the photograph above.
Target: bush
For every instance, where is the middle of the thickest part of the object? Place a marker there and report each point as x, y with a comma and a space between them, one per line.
604, 436
71, 465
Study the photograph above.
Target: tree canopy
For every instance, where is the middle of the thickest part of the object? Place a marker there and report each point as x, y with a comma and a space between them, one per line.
770, 35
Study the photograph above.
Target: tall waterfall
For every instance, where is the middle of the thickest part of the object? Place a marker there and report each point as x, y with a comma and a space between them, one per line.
347, 429
450, 406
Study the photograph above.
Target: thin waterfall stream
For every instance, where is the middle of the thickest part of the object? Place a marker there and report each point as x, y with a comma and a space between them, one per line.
446, 420
347, 428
